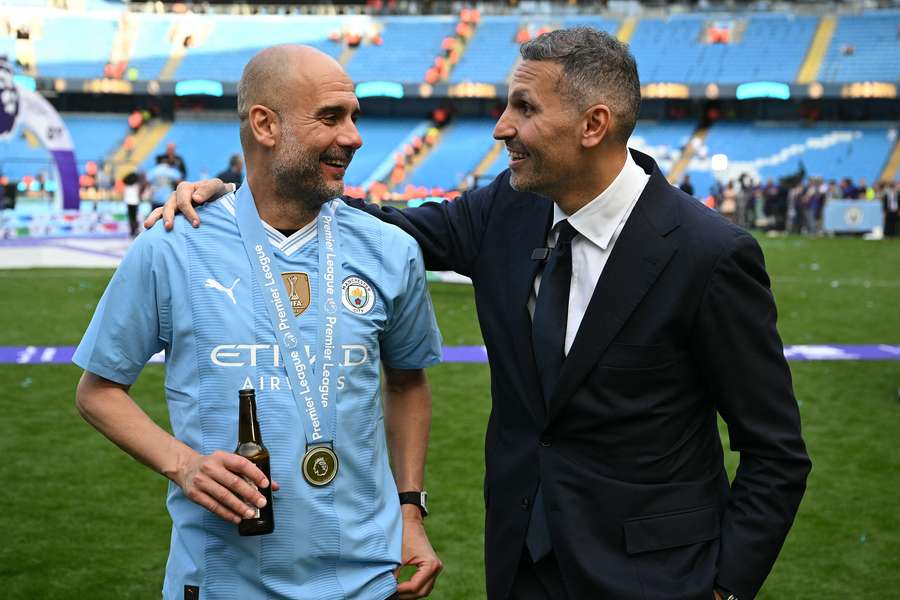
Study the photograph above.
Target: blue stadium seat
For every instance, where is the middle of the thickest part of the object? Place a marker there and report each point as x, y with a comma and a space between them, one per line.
234, 40
491, 52
152, 46
93, 137
773, 47
57, 56
410, 46
876, 49
662, 141
381, 138
773, 150
205, 145
464, 143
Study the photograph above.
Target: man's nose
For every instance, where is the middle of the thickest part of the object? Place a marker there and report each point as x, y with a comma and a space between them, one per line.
350, 137
504, 130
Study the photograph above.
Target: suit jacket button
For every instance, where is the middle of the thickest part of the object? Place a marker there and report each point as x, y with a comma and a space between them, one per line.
525, 502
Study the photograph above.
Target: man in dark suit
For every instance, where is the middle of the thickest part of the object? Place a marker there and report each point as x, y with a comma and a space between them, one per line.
620, 315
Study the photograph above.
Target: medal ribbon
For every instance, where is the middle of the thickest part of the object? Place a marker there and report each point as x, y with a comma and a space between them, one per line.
312, 390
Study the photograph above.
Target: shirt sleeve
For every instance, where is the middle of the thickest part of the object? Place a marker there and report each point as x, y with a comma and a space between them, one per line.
411, 339
127, 327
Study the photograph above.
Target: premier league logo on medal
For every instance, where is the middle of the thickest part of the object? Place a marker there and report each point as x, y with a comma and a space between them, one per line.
357, 295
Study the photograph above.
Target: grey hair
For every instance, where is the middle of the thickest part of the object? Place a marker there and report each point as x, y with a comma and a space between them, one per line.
596, 68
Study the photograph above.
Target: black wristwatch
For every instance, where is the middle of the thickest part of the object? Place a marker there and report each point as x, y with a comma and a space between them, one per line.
417, 499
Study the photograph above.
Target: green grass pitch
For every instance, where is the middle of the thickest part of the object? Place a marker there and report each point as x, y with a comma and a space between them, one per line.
84, 520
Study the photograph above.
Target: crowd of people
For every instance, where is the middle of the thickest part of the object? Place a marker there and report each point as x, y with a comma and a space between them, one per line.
794, 204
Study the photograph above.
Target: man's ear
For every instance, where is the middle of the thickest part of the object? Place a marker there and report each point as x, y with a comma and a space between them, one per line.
597, 125
265, 125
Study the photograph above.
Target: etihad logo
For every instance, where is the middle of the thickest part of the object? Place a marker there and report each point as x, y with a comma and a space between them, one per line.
297, 285
243, 355
228, 291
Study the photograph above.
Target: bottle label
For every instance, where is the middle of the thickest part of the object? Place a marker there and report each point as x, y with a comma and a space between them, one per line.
253, 506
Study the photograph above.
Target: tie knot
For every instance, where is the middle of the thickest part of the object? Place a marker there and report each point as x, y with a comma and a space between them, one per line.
566, 233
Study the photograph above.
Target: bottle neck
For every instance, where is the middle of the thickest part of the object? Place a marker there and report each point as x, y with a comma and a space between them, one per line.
248, 424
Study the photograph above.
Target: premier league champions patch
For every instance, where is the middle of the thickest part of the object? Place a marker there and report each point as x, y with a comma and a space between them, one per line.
357, 295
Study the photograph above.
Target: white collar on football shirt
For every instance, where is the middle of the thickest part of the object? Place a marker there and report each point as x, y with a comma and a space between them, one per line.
599, 219
287, 244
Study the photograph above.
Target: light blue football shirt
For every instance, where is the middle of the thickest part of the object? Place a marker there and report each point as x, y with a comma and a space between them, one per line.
192, 293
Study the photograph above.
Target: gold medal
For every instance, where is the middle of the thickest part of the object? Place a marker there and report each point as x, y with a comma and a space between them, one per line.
319, 466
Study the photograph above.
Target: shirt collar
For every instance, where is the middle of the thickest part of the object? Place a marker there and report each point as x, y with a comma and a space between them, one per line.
599, 219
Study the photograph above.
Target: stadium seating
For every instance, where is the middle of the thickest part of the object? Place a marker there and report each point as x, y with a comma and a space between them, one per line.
610, 26
772, 47
463, 144
152, 46
410, 46
875, 42
205, 145
662, 141
94, 137
233, 41
491, 53
57, 56
773, 150
381, 138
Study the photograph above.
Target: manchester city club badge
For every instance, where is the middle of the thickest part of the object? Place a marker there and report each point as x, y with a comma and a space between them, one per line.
319, 466
357, 295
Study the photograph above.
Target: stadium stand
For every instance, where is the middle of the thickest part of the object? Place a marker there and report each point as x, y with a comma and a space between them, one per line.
152, 46
57, 56
93, 136
662, 141
381, 139
462, 145
610, 26
771, 47
233, 41
775, 149
205, 145
864, 48
491, 53
410, 46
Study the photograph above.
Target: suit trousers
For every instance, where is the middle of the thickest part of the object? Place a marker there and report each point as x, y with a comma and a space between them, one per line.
538, 581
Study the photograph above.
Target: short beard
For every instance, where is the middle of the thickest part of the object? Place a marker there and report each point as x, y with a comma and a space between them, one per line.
299, 179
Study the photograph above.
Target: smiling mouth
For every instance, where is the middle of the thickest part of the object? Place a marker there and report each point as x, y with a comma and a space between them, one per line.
516, 156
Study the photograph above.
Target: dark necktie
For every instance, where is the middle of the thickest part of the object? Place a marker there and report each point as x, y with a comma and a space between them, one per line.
548, 326
548, 338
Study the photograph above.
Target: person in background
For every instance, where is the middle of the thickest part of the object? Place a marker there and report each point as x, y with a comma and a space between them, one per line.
132, 197
686, 186
163, 179
890, 202
173, 159
235, 171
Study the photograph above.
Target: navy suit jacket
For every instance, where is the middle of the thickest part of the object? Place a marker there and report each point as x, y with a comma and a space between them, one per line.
681, 326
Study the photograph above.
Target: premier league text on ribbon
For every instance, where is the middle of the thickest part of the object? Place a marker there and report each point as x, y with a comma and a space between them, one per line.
290, 340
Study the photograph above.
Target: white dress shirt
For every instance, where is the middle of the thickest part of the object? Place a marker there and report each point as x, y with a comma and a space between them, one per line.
598, 224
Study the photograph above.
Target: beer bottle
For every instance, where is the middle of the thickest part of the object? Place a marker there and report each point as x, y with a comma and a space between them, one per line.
250, 446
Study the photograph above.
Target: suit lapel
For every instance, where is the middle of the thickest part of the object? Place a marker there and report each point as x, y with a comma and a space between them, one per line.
640, 254
532, 224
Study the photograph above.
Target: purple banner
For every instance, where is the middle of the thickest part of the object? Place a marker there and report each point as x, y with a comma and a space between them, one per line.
68, 178
50, 355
